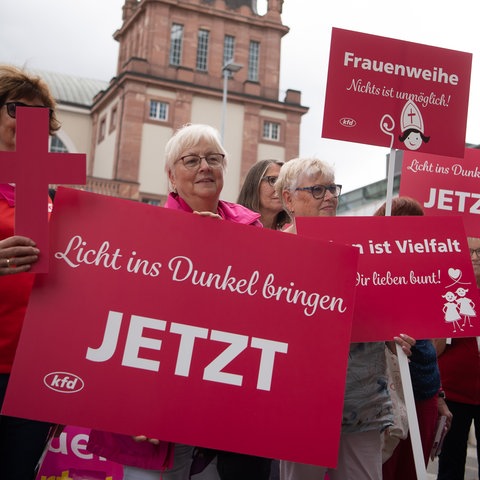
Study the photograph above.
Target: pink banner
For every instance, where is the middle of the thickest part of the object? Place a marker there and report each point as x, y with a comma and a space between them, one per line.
445, 185
67, 458
397, 94
414, 275
209, 335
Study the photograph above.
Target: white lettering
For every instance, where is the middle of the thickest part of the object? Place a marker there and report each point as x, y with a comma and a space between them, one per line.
185, 351
269, 349
310, 301
136, 340
76, 254
110, 339
213, 371
436, 74
189, 335
453, 201
79, 446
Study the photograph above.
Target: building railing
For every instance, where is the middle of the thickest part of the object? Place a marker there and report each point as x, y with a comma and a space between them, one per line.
113, 188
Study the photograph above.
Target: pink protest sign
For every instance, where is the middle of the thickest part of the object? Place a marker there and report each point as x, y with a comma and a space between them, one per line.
32, 168
414, 275
387, 92
445, 185
198, 325
67, 458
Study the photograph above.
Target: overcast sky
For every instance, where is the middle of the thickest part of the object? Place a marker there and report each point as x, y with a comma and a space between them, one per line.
75, 37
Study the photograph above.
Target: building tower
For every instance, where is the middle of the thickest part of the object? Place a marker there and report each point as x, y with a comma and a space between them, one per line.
170, 71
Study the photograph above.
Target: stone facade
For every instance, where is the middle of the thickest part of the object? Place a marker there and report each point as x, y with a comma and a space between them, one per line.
127, 143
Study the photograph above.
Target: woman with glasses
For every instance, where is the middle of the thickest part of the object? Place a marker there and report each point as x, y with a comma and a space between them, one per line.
21, 441
459, 361
195, 164
308, 189
258, 194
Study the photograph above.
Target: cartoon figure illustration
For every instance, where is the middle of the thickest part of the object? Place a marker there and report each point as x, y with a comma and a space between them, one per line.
467, 306
412, 127
450, 309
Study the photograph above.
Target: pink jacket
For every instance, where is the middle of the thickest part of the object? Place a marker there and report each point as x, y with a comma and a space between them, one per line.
232, 212
123, 449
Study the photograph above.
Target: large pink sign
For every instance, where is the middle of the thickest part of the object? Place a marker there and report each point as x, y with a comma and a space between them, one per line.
414, 275
211, 333
398, 94
445, 186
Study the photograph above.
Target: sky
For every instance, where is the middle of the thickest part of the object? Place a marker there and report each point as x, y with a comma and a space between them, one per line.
76, 37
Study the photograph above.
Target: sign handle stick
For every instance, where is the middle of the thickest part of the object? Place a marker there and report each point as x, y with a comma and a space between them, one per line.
390, 175
411, 414
402, 358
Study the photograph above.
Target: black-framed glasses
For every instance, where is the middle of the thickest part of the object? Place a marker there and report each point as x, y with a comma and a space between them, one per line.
12, 108
192, 162
475, 251
319, 191
270, 179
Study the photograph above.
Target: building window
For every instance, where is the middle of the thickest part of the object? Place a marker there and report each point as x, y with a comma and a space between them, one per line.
228, 51
176, 41
253, 60
102, 129
271, 131
113, 119
158, 110
57, 146
202, 50
228, 48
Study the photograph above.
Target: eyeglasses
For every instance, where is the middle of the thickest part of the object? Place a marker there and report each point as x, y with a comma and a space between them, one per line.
319, 191
192, 162
12, 108
476, 251
270, 179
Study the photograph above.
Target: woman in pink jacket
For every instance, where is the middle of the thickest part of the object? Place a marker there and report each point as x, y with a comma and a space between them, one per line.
195, 163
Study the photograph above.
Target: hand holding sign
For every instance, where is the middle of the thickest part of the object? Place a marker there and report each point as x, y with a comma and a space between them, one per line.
17, 254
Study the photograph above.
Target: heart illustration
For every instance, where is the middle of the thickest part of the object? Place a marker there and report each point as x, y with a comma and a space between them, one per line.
455, 273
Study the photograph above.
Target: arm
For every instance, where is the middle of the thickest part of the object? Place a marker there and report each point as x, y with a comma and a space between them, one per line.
440, 344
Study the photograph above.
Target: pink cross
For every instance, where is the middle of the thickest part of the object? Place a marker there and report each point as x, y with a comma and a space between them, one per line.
32, 168
411, 114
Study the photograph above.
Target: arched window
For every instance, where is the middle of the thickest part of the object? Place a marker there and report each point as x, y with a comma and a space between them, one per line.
56, 145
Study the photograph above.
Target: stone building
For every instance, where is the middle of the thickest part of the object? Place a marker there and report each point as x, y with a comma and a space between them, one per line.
173, 68
174, 64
